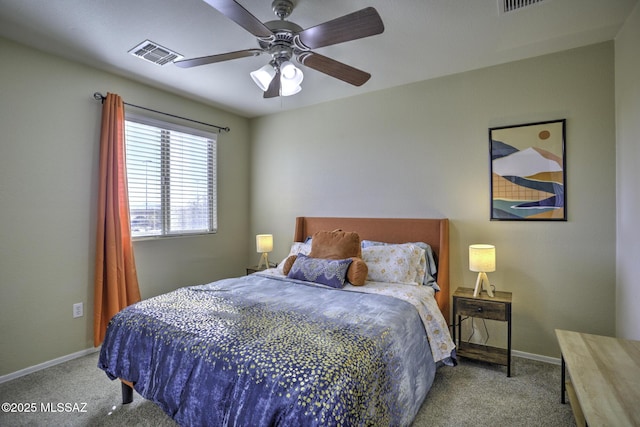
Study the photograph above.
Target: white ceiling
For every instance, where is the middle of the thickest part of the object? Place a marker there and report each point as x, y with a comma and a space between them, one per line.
423, 39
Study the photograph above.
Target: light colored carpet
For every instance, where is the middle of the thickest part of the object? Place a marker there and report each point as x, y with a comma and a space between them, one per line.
471, 394
480, 394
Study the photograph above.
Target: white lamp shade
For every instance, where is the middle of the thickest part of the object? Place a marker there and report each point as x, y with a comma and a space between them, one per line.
290, 73
288, 90
263, 76
482, 258
290, 79
264, 243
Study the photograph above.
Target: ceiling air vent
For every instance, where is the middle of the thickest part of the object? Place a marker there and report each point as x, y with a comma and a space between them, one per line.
511, 5
153, 52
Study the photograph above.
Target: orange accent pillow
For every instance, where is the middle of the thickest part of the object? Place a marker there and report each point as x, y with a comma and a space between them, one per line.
357, 272
336, 244
288, 263
340, 244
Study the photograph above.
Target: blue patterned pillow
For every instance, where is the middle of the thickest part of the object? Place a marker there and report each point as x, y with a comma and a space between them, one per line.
330, 272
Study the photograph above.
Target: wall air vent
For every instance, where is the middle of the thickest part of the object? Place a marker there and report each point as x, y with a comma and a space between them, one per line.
511, 5
153, 52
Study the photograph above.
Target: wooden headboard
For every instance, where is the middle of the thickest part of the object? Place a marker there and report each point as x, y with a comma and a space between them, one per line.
435, 232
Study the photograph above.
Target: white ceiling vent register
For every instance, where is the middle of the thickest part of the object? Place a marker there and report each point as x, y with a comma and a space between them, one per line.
153, 52
511, 5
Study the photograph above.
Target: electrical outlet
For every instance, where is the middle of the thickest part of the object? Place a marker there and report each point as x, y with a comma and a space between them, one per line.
77, 310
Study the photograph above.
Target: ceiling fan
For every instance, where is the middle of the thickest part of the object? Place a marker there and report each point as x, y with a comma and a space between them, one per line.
285, 40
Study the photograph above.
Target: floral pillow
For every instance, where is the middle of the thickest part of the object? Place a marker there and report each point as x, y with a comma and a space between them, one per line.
428, 264
330, 272
402, 263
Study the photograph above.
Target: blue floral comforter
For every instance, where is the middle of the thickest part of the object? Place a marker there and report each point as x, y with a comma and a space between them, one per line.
269, 351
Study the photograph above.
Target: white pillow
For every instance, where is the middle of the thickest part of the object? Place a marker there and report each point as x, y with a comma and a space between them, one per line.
403, 263
296, 248
421, 268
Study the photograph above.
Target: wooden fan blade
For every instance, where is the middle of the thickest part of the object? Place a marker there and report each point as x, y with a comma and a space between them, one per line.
363, 23
334, 68
194, 62
274, 87
241, 16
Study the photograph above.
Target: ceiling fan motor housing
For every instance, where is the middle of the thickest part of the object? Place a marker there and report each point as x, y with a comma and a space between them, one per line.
282, 44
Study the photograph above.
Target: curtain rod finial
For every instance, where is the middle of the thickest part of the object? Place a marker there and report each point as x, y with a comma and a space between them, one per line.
98, 96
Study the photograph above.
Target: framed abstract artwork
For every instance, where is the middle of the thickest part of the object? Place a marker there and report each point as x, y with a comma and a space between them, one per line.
528, 172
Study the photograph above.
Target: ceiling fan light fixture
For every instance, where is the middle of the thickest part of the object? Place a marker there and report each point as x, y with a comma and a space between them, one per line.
290, 79
289, 89
290, 73
263, 76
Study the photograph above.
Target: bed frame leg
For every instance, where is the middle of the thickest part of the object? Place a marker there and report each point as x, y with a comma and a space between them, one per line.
127, 393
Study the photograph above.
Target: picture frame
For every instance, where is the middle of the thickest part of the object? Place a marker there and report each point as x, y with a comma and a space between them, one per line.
528, 172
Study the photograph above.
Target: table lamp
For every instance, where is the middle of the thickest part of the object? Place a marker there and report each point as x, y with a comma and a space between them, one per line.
482, 258
264, 245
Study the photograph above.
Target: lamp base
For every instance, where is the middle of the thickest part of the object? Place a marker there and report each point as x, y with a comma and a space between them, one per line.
264, 258
482, 279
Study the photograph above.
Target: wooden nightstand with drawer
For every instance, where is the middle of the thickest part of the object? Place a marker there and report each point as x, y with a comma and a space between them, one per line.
255, 269
483, 307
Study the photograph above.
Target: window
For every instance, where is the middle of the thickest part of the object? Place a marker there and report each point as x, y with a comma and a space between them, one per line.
171, 178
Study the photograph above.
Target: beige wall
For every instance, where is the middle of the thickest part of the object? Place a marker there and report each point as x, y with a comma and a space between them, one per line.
48, 176
421, 150
628, 176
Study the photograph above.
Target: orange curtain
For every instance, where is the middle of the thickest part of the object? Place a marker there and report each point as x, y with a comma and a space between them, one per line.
116, 281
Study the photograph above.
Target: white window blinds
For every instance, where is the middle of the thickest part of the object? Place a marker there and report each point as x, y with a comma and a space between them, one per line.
171, 177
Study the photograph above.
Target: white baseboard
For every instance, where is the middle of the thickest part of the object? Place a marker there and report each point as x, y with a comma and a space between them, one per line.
538, 357
81, 353
47, 364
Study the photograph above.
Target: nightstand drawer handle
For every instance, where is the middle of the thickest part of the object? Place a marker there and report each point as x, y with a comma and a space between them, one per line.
479, 309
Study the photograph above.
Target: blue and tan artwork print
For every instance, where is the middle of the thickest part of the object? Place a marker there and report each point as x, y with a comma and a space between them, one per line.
527, 172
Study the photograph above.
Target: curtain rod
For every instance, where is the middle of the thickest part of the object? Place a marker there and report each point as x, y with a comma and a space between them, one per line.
100, 97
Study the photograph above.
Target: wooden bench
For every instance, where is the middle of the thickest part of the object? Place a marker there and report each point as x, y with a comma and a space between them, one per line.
604, 379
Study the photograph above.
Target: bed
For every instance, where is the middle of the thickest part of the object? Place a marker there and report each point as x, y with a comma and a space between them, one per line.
273, 349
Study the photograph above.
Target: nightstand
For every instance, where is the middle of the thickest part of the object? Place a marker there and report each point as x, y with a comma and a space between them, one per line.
255, 268
483, 307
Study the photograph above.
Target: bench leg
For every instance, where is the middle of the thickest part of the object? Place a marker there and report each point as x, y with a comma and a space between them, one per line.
562, 379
